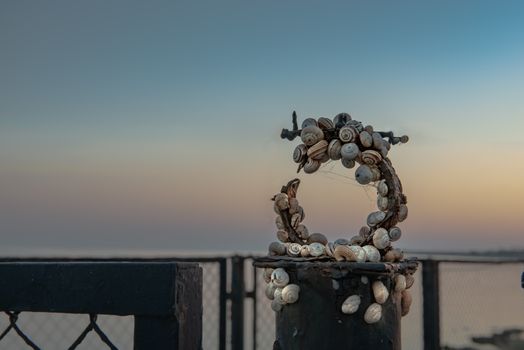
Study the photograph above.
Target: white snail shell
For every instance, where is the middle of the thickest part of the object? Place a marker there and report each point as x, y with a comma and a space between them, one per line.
290, 293
400, 283
347, 134
371, 157
277, 248
294, 249
282, 201
276, 306
278, 296
394, 234
381, 238
349, 151
304, 251
364, 175
302, 231
318, 150
294, 207
316, 249
341, 119
351, 304
267, 274
279, 223
365, 139
325, 123
376, 218
311, 135
309, 122
334, 149
300, 153
372, 253
382, 188
382, 203
380, 292
402, 212
317, 237
311, 166
373, 313
405, 302
279, 277
348, 163
360, 253
270, 291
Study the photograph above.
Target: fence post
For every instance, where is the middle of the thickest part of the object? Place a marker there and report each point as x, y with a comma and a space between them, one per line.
238, 294
431, 305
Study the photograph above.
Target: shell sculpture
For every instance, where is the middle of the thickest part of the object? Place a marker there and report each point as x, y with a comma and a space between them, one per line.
365, 149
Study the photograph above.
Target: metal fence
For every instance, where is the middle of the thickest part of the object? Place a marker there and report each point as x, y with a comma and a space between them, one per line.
455, 300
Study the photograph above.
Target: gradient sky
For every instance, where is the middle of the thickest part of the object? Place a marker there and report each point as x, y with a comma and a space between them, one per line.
155, 124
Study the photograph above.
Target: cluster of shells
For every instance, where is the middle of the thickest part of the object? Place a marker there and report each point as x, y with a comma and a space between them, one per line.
278, 288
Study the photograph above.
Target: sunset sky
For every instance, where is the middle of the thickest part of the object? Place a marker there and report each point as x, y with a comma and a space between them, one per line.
130, 125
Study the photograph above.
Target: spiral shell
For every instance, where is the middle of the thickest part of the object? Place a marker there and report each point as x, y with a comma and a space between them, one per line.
302, 232
351, 304
365, 139
372, 253
276, 306
276, 248
267, 274
294, 207
373, 313
300, 153
382, 203
360, 253
382, 188
317, 237
311, 166
400, 283
311, 135
356, 240
342, 241
290, 293
344, 252
280, 223
279, 277
371, 157
341, 119
347, 134
381, 238
409, 281
348, 163
376, 218
318, 150
364, 175
402, 212
325, 123
377, 140
309, 122
270, 291
394, 234
375, 172
405, 302
334, 149
316, 249
393, 255
380, 292
282, 201
349, 151
369, 129
330, 249
304, 251
323, 158
278, 296
364, 232
293, 249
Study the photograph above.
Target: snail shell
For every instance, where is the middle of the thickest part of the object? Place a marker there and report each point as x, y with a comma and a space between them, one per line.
409, 281
323, 158
344, 252
341, 119
381, 238
372, 253
373, 313
402, 212
309, 122
365, 139
294, 207
304, 251
317, 150
279, 277
360, 253
334, 149
351, 304
270, 291
317, 237
356, 240
376, 218
393, 255
382, 203
302, 232
364, 232
348, 163
377, 141
405, 302
290, 293
356, 125
311, 166
325, 123
300, 153
364, 175
294, 249
369, 129
276, 306
376, 173
380, 292
400, 283
267, 274
394, 234
278, 296
282, 201
276, 248
384, 149
280, 223
296, 219
404, 139
382, 188
330, 249
371, 157
311, 135
349, 151
342, 241
347, 134
316, 249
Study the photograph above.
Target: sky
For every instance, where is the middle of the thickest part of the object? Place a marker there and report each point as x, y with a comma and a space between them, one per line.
154, 126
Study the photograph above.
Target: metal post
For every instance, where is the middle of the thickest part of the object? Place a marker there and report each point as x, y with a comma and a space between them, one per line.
431, 305
222, 305
238, 294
